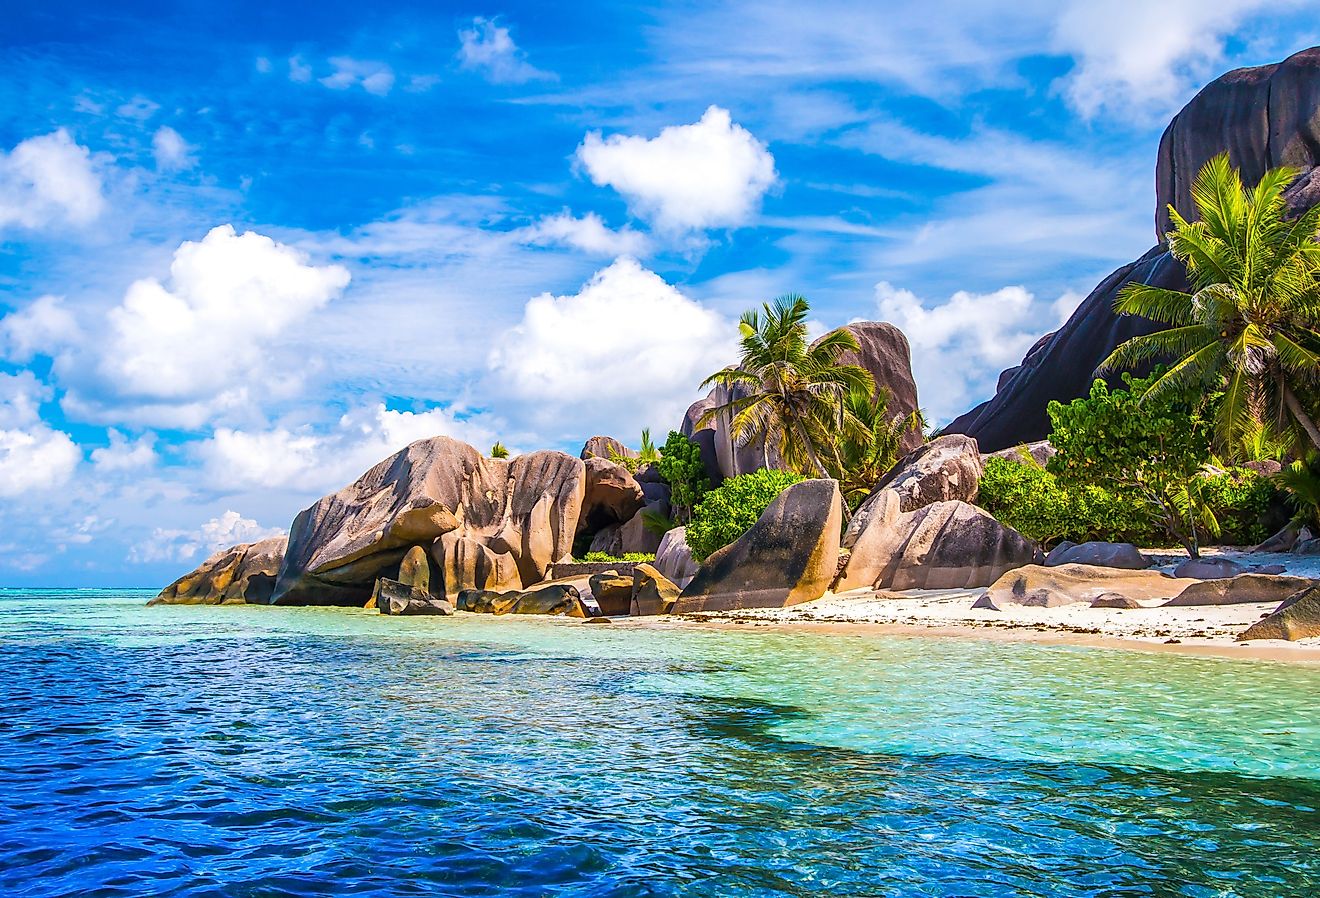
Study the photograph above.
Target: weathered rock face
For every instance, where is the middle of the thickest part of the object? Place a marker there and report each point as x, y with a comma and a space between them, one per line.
1239, 589
1114, 600
415, 569
674, 559
946, 469
394, 597
788, 556
1209, 569
612, 495
946, 545
465, 562
652, 592
606, 448
1049, 587
1039, 452
1120, 555
1263, 117
1297, 618
613, 593
244, 573
526, 507
554, 599
883, 351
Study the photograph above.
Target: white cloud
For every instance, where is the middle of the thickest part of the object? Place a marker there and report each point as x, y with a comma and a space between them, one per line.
589, 234
140, 108
47, 180
960, 346
200, 343
263, 65
299, 70
486, 46
373, 77
1133, 56
172, 152
229, 529
33, 456
42, 327
124, 454
705, 175
625, 352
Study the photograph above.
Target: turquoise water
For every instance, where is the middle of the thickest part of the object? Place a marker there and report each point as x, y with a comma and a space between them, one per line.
241, 751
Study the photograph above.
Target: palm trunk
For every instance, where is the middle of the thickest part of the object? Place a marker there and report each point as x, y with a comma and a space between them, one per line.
1294, 406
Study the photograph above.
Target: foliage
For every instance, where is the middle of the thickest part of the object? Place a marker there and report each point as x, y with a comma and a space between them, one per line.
657, 522
625, 461
1141, 445
730, 511
648, 454
1249, 326
1300, 481
787, 391
626, 557
865, 454
498, 451
681, 467
1241, 500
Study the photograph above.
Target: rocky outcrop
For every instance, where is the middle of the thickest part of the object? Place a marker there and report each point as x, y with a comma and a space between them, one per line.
674, 559
788, 556
244, 573
1264, 116
946, 469
613, 592
612, 495
466, 562
606, 448
1240, 589
1297, 618
1209, 569
883, 351
1114, 600
652, 592
397, 598
1120, 555
556, 599
1039, 452
526, 508
1049, 587
945, 545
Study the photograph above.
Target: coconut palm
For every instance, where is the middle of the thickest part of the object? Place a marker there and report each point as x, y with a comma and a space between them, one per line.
866, 453
498, 451
787, 391
1249, 325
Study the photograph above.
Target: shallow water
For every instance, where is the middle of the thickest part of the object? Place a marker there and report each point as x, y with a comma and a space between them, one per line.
243, 751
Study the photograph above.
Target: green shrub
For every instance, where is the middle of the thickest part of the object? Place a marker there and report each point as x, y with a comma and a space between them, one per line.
1241, 499
628, 557
728, 512
681, 467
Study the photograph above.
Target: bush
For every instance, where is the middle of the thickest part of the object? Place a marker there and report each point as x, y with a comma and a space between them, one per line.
681, 467
730, 511
1242, 500
628, 557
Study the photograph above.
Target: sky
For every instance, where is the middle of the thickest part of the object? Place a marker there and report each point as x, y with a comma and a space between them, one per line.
249, 249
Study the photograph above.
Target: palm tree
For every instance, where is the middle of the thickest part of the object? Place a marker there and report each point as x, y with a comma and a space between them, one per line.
1249, 325
865, 454
787, 390
648, 454
498, 451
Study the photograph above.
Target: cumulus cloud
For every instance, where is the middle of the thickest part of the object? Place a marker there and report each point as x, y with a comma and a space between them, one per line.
631, 342
960, 346
124, 454
486, 46
199, 343
279, 458
709, 174
33, 455
49, 180
373, 77
40, 328
230, 529
1132, 55
172, 152
589, 234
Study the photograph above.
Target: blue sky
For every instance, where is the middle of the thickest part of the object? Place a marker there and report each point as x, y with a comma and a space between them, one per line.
247, 250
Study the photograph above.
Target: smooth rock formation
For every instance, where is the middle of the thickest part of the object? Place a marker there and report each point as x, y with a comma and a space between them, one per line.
526, 507
394, 597
947, 545
613, 592
1209, 569
243, 573
465, 562
788, 556
1039, 452
674, 559
485, 601
553, 599
1114, 600
652, 592
606, 448
1119, 555
946, 469
415, 569
1241, 589
1049, 587
1297, 618
612, 495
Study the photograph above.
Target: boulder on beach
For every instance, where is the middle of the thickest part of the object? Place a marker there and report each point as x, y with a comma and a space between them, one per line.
674, 559
466, 562
1209, 569
788, 556
485, 601
1297, 618
394, 597
1240, 589
606, 448
1049, 587
560, 599
243, 573
612, 495
946, 469
652, 592
1114, 600
1119, 555
613, 592
526, 507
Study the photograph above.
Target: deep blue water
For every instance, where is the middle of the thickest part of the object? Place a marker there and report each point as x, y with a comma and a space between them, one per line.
269, 752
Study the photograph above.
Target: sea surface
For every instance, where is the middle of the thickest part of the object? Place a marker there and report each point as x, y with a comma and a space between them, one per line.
244, 751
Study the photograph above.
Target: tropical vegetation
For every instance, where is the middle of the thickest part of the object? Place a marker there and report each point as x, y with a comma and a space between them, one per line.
726, 513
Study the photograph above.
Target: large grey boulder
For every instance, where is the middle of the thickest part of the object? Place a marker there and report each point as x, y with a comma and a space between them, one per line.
788, 556
946, 469
1119, 555
243, 573
674, 559
946, 545
526, 508
612, 495
652, 592
1241, 589
1209, 568
1297, 618
606, 448
397, 598
1049, 587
